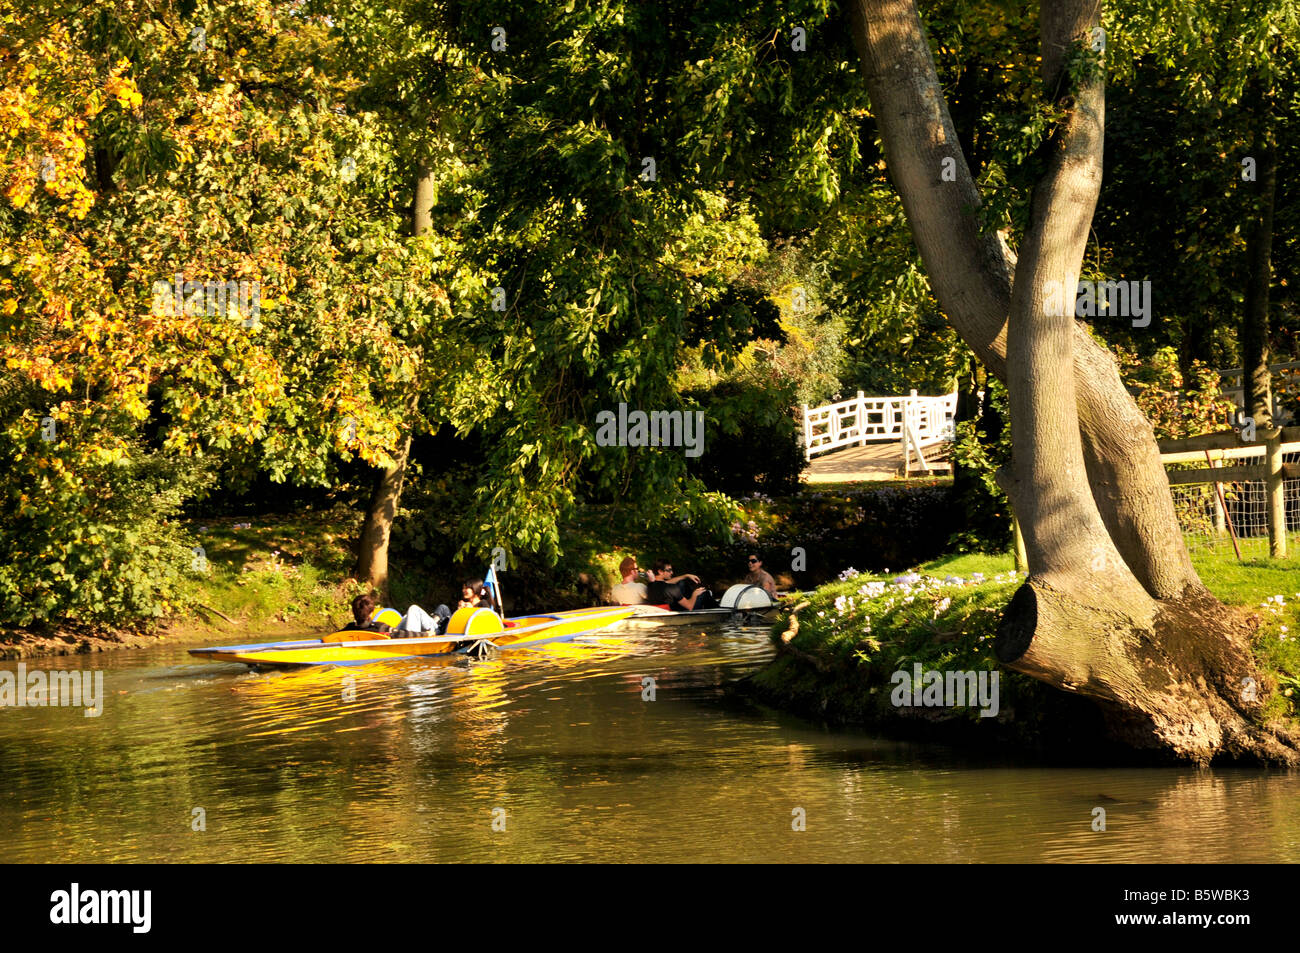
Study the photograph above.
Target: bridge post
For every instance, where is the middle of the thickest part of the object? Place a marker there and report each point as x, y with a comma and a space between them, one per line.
860, 416
907, 444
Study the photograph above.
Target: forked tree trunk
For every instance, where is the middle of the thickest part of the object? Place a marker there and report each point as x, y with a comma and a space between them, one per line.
1112, 608
970, 271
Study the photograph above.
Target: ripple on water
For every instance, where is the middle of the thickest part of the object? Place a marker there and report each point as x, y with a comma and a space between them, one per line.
416, 760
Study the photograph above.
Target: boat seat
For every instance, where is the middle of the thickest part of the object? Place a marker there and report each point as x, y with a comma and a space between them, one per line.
471, 621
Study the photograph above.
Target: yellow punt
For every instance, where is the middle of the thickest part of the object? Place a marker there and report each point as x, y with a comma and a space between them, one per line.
467, 629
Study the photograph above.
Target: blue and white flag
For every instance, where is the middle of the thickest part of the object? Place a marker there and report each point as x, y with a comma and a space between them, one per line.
493, 588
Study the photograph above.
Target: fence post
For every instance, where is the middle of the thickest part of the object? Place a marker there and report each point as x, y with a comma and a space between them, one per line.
1276, 499
1220, 523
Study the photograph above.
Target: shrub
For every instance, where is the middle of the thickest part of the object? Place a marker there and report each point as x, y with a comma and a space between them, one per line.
88, 529
751, 441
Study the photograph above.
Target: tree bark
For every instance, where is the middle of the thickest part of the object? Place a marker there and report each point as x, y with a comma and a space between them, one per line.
970, 271
372, 553
426, 194
376, 529
1257, 383
1168, 671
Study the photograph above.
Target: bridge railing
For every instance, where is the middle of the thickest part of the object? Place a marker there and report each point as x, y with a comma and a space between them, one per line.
919, 420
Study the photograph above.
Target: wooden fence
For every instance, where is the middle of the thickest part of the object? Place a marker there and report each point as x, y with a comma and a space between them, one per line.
1219, 450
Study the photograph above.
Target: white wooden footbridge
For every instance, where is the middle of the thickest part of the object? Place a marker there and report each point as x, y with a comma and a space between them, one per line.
894, 436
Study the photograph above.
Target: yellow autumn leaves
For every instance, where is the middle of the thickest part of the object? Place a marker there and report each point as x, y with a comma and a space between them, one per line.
48, 93
122, 88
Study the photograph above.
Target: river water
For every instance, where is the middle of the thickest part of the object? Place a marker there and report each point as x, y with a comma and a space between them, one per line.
562, 753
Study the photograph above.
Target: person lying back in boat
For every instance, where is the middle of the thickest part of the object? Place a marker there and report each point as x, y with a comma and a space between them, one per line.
369, 616
474, 595
759, 577
631, 591
672, 591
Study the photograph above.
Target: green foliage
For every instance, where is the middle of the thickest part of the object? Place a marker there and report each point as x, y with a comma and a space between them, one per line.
983, 445
608, 271
90, 540
226, 160
751, 441
895, 340
222, 160
1175, 405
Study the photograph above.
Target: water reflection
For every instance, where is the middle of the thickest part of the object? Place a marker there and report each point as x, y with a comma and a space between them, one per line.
409, 760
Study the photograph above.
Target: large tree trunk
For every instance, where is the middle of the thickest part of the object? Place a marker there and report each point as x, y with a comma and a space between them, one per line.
372, 554
970, 272
1086, 480
1257, 383
372, 549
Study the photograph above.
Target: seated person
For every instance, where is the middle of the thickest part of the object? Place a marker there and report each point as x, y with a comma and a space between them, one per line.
475, 595
629, 592
758, 577
365, 612
667, 589
418, 622
369, 616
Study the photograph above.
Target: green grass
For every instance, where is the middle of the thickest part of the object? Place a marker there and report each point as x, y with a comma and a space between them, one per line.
966, 564
1249, 582
861, 637
283, 569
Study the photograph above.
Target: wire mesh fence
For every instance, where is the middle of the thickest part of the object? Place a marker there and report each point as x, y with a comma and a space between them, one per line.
1211, 514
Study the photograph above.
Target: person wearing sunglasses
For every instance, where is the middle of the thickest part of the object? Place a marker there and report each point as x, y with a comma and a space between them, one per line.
667, 589
759, 577
631, 591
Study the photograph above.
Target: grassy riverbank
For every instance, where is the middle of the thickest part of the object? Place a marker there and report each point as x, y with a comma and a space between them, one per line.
271, 574
856, 632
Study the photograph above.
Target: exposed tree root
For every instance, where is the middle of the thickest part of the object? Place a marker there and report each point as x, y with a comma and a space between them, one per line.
1181, 679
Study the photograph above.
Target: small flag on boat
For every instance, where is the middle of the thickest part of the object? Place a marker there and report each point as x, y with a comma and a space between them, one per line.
494, 590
